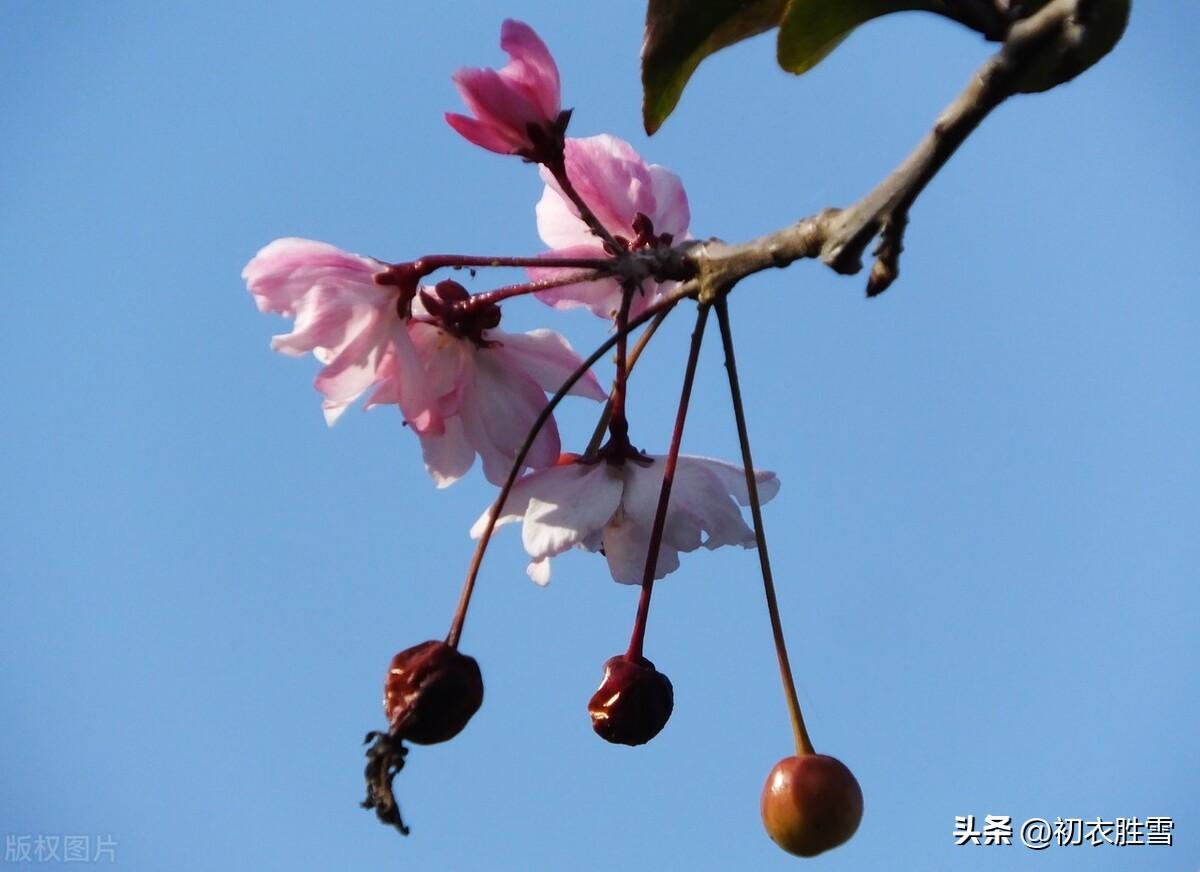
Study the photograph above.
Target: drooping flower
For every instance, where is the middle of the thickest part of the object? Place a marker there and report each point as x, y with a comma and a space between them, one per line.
506, 103
463, 387
618, 186
347, 320
610, 508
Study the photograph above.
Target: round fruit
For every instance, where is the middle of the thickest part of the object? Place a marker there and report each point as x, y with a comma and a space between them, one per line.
431, 692
811, 804
633, 703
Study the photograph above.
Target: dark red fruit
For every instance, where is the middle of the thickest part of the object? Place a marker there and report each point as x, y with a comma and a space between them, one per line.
811, 804
633, 703
431, 692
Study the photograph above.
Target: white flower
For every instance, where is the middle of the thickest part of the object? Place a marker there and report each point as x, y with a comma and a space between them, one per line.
610, 508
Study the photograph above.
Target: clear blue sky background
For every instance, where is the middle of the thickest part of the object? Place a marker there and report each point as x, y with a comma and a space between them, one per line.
986, 539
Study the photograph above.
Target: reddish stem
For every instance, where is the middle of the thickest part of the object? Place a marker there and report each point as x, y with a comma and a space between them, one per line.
423, 266
618, 424
558, 168
606, 415
509, 291
464, 600
664, 495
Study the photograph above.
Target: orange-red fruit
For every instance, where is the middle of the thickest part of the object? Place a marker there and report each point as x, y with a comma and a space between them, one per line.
431, 692
811, 804
633, 703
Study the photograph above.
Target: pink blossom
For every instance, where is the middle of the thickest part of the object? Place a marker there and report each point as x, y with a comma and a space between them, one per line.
507, 102
617, 186
610, 508
347, 321
465, 390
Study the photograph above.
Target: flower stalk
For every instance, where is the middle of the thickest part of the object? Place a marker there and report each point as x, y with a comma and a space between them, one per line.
664, 495
803, 742
452, 638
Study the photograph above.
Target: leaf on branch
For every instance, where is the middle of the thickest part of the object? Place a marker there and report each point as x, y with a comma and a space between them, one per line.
682, 33
811, 29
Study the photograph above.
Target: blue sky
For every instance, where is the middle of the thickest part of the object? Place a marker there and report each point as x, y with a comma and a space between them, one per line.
986, 540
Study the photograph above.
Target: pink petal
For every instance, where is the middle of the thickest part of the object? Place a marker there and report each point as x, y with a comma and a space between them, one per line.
507, 102
560, 226
610, 177
353, 368
286, 270
448, 456
482, 134
494, 100
498, 410
671, 213
532, 66
404, 381
547, 358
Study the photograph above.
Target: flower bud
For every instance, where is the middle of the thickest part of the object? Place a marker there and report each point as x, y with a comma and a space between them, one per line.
431, 692
633, 702
811, 804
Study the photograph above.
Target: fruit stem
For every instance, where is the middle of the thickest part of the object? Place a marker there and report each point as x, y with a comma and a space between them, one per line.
664, 495
618, 424
460, 613
803, 742
602, 425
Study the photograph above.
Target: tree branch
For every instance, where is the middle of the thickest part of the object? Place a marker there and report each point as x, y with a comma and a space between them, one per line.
840, 236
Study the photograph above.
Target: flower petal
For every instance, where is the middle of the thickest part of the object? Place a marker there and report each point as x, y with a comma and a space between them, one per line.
733, 478
626, 545
532, 66
499, 407
484, 135
547, 358
610, 177
448, 456
539, 571
570, 503
671, 213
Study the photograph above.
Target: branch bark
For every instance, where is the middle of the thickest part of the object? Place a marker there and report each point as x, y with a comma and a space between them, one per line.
840, 236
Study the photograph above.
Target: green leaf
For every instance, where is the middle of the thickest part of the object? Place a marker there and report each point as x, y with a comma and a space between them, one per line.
811, 29
682, 33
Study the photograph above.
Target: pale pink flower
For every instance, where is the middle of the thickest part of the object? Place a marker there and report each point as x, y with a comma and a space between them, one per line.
463, 389
507, 102
610, 508
489, 393
617, 186
347, 321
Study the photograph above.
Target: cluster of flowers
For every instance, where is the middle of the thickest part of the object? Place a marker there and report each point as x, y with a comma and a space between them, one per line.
467, 388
